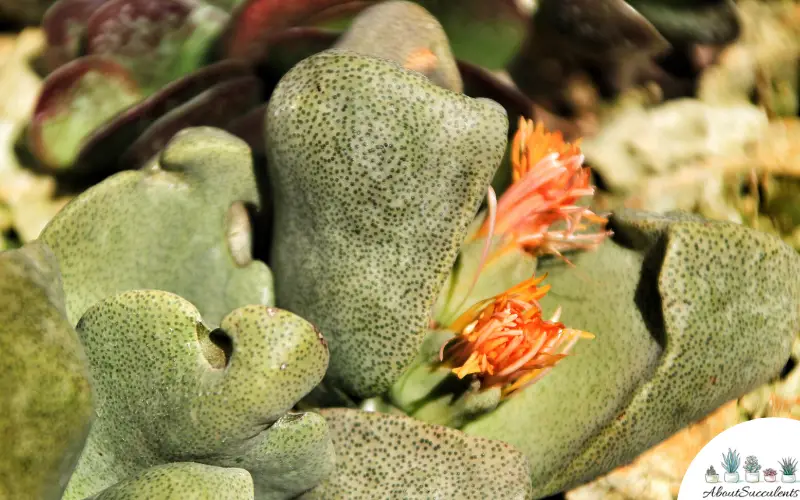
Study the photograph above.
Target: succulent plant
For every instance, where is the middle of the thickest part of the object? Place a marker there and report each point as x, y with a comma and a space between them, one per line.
788, 465
730, 461
711, 471
770, 472
343, 317
751, 464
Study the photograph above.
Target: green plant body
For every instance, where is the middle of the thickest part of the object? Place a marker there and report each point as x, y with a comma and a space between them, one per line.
788, 466
751, 464
731, 461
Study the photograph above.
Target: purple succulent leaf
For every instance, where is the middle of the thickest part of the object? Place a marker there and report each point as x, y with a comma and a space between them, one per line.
64, 25
254, 25
216, 107
121, 132
75, 100
158, 40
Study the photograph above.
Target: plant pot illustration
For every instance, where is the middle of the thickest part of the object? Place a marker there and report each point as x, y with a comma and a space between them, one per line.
751, 477
730, 464
788, 469
712, 478
770, 479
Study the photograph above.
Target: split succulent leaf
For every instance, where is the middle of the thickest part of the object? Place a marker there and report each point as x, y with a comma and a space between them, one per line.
652, 297
170, 387
168, 230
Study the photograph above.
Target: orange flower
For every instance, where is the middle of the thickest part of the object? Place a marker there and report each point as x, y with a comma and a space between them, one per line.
548, 179
505, 342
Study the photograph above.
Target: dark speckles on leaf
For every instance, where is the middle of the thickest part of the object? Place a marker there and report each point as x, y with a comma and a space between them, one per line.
351, 234
400, 457
180, 480
726, 330
158, 372
44, 376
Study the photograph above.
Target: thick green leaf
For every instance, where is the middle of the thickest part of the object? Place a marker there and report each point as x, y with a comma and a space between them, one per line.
687, 313
46, 400
169, 388
165, 227
394, 456
376, 174
183, 480
407, 34
75, 100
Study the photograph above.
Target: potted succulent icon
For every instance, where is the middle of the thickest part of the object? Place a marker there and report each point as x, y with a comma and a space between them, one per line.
788, 468
770, 475
751, 468
730, 464
711, 475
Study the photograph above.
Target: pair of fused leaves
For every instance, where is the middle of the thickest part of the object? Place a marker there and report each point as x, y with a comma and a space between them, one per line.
687, 313
376, 174
169, 388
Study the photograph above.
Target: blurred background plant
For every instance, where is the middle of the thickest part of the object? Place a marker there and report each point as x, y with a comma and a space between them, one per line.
681, 105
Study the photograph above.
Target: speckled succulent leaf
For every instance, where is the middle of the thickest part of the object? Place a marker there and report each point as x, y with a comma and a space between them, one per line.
680, 307
600, 29
707, 22
499, 273
292, 456
169, 226
423, 376
181, 480
392, 456
74, 101
483, 32
157, 40
406, 33
216, 107
100, 152
256, 22
376, 174
46, 398
64, 25
169, 387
